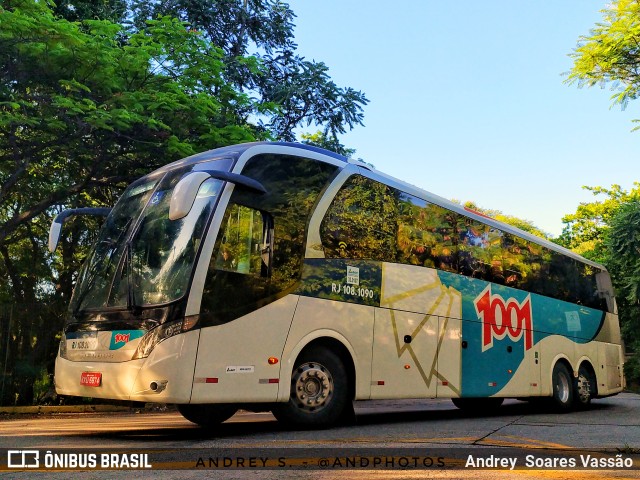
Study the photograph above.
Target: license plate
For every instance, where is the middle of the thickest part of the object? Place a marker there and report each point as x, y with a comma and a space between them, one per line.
84, 344
91, 379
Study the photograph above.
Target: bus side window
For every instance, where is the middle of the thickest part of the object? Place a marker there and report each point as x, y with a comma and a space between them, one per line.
244, 244
425, 234
361, 221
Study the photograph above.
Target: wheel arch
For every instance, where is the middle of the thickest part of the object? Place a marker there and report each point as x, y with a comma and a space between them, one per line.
588, 364
561, 358
329, 340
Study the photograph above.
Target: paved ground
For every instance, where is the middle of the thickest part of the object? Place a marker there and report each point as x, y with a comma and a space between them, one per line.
393, 428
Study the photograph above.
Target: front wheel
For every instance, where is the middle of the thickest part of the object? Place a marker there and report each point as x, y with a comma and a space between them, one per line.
207, 415
319, 391
562, 388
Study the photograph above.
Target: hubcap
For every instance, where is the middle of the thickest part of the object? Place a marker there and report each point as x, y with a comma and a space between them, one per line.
584, 390
562, 386
313, 386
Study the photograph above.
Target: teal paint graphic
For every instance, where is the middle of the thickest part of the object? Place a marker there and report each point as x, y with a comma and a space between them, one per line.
501, 323
119, 338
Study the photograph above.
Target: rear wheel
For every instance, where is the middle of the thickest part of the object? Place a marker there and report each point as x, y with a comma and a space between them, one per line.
208, 415
562, 388
585, 387
319, 391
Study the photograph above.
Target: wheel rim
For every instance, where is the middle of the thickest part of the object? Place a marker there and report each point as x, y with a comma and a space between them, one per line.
313, 386
562, 387
584, 389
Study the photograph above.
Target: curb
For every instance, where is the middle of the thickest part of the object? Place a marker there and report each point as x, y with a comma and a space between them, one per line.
64, 409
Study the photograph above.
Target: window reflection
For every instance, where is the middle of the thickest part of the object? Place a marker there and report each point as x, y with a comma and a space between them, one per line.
369, 220
361, 222
260, 248
163, 251
240, 245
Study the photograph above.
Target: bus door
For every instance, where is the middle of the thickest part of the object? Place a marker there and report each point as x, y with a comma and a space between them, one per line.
449, 357
411, 332
404, 354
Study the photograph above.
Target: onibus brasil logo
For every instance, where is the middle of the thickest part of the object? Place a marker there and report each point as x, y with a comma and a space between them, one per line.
502, 319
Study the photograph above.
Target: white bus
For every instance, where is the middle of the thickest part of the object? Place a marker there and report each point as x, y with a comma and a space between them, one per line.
283, 277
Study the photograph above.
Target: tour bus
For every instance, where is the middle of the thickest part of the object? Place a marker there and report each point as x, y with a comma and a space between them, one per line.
284, 277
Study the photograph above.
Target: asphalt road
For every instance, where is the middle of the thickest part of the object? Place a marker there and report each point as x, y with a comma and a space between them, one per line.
396, 430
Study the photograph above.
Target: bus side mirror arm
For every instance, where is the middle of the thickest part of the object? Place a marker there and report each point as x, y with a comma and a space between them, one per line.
186, 190
56, 225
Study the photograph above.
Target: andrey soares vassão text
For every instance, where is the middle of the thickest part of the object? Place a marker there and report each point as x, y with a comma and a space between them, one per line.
531, 461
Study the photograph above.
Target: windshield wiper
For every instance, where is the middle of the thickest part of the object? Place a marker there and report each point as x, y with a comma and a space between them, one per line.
100, 264
131, 293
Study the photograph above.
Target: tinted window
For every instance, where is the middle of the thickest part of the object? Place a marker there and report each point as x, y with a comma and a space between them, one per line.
293, 185
426, 234
369, 220
480, 251
236, 282
241, 240
240, 282
361, 221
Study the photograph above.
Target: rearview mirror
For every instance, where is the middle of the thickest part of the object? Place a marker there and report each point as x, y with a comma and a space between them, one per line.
184, 194
56, 225
186, 190
54, 235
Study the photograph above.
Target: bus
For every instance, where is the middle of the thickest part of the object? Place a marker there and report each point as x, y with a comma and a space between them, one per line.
281, 277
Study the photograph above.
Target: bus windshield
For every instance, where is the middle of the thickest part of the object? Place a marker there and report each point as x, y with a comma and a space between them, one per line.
142, 257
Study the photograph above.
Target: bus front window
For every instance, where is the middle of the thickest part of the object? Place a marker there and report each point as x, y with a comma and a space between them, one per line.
142, 257
162, 251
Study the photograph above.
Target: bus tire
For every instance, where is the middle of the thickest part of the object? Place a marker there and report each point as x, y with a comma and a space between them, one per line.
478, 405
585, 388
207, 415
562, 380
319, 391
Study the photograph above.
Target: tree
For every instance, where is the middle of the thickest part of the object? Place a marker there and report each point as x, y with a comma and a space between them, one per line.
608, 231
609, 55
302, 89
585, 230
622, 242
82, 112
84, 109
95, 94
522, 224
320, 139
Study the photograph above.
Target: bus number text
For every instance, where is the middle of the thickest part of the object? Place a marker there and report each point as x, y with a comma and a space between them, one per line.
351, 290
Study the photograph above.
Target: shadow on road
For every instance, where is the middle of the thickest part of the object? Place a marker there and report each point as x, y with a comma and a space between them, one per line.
245, 425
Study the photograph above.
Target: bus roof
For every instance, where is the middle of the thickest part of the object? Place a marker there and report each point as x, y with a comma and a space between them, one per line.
448, 204
235, 151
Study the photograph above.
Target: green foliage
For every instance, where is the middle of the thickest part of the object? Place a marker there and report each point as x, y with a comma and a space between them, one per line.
83, 112
623, 246
301, 89
609, 54
622, 242
322, 140
522, 224
608, 231
585, 230
96, 93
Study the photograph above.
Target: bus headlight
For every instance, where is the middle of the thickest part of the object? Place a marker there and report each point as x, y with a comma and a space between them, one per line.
161, 333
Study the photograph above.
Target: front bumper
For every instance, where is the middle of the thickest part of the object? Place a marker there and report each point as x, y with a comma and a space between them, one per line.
165, 376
